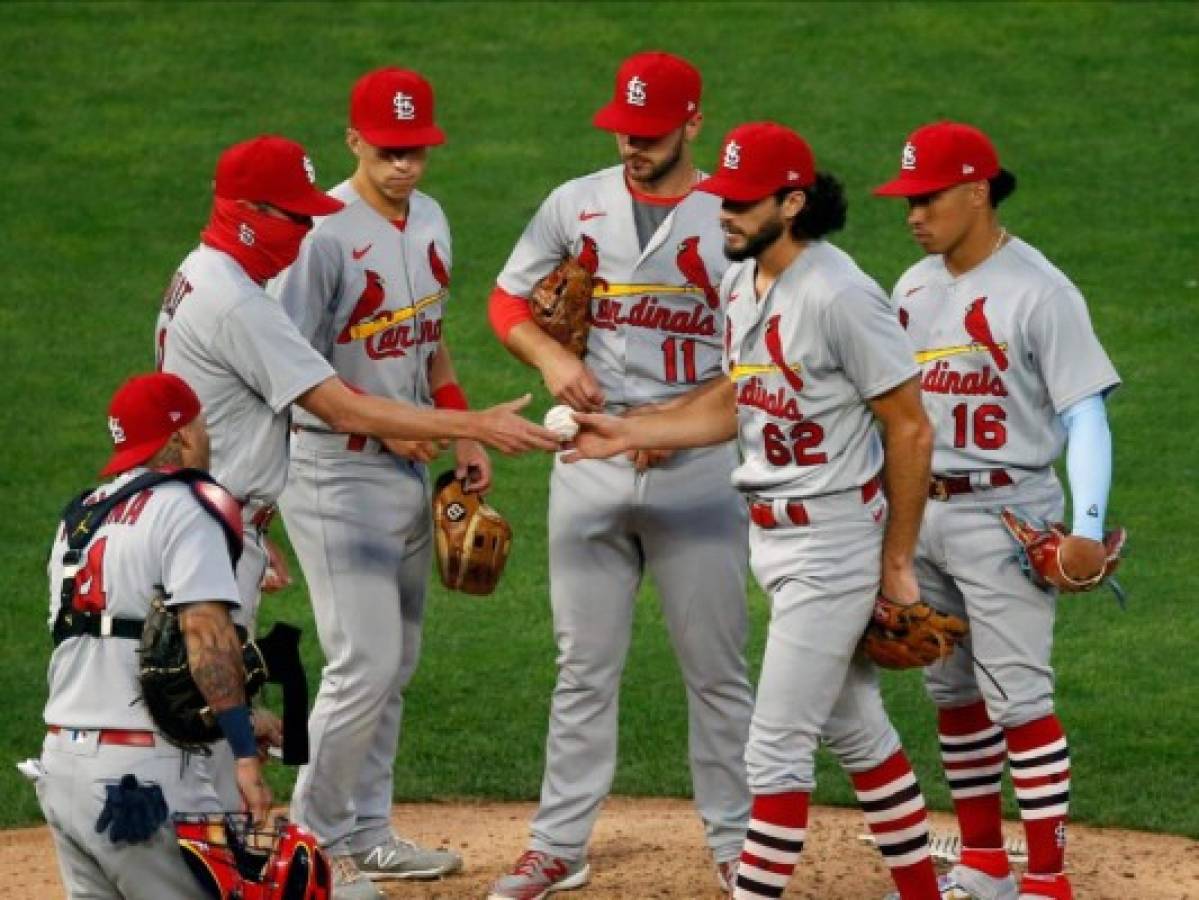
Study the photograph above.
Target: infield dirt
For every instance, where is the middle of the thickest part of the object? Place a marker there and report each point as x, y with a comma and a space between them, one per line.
654, 849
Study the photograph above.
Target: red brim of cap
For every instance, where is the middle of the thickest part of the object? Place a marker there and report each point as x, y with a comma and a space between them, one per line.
619, 119
309, 203
128, 457
905, 186
734, 189
391, 138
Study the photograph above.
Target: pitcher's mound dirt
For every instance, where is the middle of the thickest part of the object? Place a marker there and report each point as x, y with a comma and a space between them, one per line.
654, 849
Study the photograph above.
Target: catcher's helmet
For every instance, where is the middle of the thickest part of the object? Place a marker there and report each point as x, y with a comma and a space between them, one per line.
233, 861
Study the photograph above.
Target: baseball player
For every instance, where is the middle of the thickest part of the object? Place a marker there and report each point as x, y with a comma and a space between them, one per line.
368, 291
813, 356
103, 760
1011, 371
221, 332
654, 246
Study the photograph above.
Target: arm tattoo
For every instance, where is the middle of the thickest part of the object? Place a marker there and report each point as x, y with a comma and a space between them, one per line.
214, 656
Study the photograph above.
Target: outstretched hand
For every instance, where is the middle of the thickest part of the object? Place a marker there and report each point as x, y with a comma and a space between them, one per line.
600, 436
502, 427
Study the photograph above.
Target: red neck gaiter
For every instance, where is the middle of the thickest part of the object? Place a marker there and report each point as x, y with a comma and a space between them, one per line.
263, 245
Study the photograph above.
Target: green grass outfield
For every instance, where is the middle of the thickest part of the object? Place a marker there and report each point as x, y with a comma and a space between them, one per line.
111, 121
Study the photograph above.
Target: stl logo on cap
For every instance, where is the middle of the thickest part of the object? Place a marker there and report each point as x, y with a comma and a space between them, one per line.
635, 92
245, 234
732, 155
908, 160
310, 170
115, 429
404, 108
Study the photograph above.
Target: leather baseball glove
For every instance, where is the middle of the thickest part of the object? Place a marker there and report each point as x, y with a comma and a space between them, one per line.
561, 305
171, 695
1040, 554
907, 637
473, 539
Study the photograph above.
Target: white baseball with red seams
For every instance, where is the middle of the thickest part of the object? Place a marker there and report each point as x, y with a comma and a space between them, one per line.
560, 420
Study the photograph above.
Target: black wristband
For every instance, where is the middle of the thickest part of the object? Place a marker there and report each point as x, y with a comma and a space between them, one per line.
238, 730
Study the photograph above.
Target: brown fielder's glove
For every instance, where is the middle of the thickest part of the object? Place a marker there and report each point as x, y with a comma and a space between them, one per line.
907, 637
1040, 554
473, 539
561, 305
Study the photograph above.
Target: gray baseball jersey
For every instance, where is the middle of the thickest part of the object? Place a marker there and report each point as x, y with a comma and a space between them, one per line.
1004, 348
658, 331
369, 296
159, 539
656, 317
804, 358
245, 360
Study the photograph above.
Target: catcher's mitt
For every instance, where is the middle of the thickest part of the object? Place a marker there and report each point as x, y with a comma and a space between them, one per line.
473, 539
907, 637
1041, 555
170, 693
561, 305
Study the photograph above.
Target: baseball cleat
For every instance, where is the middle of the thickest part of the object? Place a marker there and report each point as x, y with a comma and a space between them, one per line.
964, 883
401, 859
348, 881
537, 874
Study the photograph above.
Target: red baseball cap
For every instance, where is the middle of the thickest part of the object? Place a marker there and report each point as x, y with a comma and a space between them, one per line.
655, 94
939, 156
145, 411
758, 159
272, 169
394, 108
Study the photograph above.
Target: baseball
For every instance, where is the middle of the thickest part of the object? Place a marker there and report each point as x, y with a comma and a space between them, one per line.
561, 421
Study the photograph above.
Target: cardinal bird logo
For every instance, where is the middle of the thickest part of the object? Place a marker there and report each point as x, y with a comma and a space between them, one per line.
980, 331
691, 264
774, 349
438, 267
368, 304
589, 255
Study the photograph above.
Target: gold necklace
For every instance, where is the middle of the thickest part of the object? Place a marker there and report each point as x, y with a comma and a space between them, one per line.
998, 243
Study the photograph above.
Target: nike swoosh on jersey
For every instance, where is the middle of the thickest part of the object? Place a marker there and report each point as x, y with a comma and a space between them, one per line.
358, 254
584, 216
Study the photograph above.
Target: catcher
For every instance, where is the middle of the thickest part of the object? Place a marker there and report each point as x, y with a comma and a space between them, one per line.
1012, 375
108, 776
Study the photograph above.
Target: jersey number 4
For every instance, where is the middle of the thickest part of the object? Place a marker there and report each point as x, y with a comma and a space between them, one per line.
89, 580
798, 446
985, 426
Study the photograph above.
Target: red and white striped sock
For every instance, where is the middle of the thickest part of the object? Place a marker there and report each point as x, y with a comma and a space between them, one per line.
1040, 765
894, 808
777, 826
974, 753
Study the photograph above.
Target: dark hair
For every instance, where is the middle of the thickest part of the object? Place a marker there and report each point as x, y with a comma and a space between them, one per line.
824, 211
1002, 186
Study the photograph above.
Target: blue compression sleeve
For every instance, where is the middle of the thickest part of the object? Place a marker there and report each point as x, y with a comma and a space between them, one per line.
1088, 464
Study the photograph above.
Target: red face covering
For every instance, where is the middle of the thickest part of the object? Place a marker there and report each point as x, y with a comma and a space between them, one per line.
262, 244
